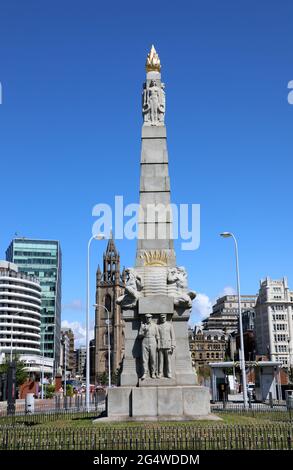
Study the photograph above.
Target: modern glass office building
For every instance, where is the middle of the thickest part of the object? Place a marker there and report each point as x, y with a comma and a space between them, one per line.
42, 259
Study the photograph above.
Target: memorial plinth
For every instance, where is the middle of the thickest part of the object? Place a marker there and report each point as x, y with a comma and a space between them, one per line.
157, 378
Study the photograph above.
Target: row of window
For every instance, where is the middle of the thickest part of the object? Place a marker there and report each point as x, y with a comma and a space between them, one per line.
34, 253
215, 347
48, 303
19, 337
281, 348
21, 345
243, 305
284, 360
21, 261
215, 338
16, 330
22, 307
49, 319
280, 337
280, 327
210, 347
280, 316
210, 356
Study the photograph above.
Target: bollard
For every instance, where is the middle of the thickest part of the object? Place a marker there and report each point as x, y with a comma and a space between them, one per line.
289, 402
29, 404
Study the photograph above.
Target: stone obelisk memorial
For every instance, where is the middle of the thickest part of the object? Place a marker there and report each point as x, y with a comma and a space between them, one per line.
157, 380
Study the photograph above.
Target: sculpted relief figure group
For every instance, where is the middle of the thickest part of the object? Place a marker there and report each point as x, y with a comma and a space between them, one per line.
158, 344
132, 291
134, 288
184, 297
157, 338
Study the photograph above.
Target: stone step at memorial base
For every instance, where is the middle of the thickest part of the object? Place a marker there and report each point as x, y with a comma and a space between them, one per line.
158, 402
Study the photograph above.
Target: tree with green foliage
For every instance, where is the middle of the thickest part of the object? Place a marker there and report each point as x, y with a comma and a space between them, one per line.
21, 373
69, 390
103, 379
49, 391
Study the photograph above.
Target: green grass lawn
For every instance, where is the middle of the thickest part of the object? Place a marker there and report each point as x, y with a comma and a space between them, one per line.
71, 432
226, 419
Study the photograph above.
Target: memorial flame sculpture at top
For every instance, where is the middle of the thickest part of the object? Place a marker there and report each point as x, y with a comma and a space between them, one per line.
157, 377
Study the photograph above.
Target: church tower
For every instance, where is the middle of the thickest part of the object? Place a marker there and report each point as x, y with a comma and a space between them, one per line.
109, 286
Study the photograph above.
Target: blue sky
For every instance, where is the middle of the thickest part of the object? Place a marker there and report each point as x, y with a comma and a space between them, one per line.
70, 123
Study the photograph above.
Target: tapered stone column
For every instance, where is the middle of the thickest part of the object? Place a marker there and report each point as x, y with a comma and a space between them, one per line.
155, 218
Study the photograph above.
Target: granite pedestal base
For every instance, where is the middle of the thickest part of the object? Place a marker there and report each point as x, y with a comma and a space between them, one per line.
158, 402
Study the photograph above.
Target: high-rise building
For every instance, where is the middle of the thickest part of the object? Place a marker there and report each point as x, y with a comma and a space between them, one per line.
70, 359
109, 287
225, 312
42, 259
20, 312
274, 321
80, 361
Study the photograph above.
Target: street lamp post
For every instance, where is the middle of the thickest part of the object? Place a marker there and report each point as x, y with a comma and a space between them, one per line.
45, 328
233, 359
87, 393
242, 357
109, 342
65, 364
11, 338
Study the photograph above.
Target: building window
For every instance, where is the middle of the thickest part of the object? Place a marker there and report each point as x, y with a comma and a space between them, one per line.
108, 302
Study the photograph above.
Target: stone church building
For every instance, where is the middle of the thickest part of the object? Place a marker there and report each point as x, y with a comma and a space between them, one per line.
109, 286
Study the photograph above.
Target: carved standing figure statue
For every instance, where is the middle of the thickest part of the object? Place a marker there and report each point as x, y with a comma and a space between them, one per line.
153, 106
166, 347
132, 290
150, 336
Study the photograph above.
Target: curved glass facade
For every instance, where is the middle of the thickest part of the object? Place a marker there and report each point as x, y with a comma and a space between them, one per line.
42, 259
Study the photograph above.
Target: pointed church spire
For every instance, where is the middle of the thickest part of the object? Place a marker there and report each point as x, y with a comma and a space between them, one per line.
111, 261
99, 274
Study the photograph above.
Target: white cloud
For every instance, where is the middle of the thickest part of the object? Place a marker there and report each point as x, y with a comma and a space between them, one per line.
75, 304
79, 332
228, 290
202, 307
